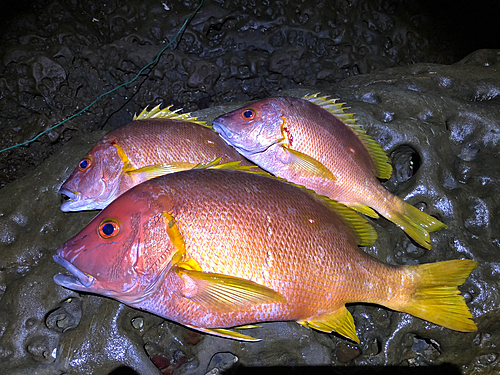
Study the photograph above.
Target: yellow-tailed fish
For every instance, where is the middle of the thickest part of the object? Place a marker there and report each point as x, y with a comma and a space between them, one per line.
214, 249
157, 142
314, 143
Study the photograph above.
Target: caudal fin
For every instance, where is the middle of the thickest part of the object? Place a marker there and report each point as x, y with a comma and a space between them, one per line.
417, 224
435, 296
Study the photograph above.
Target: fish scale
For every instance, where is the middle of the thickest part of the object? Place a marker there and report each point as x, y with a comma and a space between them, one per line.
210, 269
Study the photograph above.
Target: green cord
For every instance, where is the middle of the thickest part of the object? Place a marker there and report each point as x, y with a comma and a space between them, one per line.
116, 88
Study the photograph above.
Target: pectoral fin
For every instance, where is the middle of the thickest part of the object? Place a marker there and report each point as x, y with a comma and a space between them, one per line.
224, 293
307, 164
152, 171
231, 165
226, 333
340, 321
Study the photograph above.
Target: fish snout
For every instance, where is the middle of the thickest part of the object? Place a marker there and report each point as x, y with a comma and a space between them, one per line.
220, 129
76, 279
70, 198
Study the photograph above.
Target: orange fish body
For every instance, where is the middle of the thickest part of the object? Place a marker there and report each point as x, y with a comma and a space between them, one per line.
138, 151
213, 249
309, 145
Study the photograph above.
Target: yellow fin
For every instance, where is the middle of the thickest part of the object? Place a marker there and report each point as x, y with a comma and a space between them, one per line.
377, 153
226, 333
152, 171
363, 209
340, 321
361, 228
166, 113
308, 164
247, 326
417, 224
225, 293
434, 295
231, 165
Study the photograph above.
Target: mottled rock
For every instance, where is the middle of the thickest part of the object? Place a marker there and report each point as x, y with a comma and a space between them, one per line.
440, 124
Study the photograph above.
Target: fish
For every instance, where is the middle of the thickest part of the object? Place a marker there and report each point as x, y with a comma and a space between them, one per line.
156, 142
311, 141
214, 249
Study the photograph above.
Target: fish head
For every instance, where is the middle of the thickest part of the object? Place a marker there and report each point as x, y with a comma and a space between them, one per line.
254, 128
123, 253
94, 182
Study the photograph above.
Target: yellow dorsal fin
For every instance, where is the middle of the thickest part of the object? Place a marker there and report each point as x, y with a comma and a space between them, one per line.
224, 293
377, 153
340, 321
362, 229
226, 333
166, 113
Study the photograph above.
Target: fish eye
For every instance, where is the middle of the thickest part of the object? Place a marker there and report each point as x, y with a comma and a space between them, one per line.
248, 114
108, 228
85, 164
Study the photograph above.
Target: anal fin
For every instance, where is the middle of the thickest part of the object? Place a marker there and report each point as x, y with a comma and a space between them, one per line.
363, 209
340, 321
226, 333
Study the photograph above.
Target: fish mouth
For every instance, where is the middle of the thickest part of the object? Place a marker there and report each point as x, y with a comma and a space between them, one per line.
72, 198
229, 138
76, 279
222, 131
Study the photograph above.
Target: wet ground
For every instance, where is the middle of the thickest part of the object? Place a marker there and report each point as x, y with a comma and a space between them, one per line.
439, 124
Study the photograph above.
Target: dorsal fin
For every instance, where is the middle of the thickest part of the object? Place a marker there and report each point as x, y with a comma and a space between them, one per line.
166, 113
377, 153
362, 229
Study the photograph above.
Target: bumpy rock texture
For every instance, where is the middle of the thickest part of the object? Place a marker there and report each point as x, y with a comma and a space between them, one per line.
440, 124
57, 56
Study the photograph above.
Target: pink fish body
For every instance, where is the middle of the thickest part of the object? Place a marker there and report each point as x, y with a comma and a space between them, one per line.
138, 151
213, 249
308, 144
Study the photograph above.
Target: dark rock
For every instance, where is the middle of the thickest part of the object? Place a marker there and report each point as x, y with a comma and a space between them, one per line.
57, 57
439, 124
46, 328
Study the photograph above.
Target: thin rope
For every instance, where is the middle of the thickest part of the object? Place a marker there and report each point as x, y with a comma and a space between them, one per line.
116, 88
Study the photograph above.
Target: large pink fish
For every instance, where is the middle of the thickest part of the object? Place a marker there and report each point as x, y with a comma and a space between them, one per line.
212, 249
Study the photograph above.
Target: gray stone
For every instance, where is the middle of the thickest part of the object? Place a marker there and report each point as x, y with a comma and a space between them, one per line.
423, 115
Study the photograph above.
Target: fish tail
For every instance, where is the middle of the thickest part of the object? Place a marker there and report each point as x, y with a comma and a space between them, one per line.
433, 294
417, 224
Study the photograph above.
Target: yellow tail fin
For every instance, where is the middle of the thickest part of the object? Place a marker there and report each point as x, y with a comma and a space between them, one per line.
435, 296
417, 224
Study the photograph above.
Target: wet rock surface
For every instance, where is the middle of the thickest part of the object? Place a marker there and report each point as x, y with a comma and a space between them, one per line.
57, 56
440, 124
